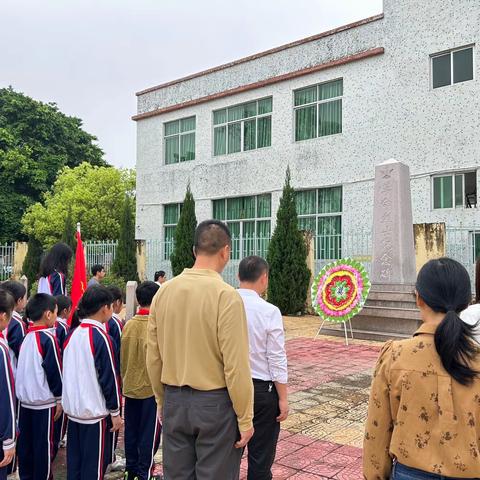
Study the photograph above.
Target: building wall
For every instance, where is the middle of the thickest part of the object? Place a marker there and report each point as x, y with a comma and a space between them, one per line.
389, 111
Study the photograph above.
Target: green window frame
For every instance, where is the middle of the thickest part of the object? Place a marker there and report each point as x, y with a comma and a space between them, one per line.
249, 221
476, 246
318, 110
171, 214
455, 190
179, 144
320, 211
243, 127
454, 66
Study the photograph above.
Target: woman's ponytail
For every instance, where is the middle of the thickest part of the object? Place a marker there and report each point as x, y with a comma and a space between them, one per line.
444, 285
453, 341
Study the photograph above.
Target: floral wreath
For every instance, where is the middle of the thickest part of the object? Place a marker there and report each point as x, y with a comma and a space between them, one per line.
340, 290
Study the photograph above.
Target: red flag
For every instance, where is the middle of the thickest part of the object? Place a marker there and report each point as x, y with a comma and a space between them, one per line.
79, 282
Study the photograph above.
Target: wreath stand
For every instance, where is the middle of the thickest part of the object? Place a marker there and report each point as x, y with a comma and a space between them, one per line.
349, 321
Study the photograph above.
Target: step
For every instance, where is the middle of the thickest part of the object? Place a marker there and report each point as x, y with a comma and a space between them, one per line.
363, 334
394, 288
391, 304
390, 312
391, 296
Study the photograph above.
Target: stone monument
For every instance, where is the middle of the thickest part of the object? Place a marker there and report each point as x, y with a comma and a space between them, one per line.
390, 310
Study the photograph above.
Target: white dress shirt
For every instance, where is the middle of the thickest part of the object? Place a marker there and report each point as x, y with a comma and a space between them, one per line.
268, 359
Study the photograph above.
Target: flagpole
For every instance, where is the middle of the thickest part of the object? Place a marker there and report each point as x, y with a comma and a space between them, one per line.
78, 227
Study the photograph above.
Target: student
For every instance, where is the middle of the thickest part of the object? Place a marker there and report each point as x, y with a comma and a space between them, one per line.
54, 269
114, 328
8, 429
64, 306
160, 278
98, 274
268, 361
39, 389
424, 403
471, 315
17, 327
142, 427
91, 394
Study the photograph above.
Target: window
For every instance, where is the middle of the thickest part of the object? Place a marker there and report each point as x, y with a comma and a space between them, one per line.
243, 127
179, 140
451, 67
457, 190
476, 247
248, 219
171, 214
320, 212
318, 110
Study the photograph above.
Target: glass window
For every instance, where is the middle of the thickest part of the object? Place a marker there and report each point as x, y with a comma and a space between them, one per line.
319, 211
243, 127
180, 140
318, 110
476, 247
455, 190
171, 214
455, 66
463, 65
248, 219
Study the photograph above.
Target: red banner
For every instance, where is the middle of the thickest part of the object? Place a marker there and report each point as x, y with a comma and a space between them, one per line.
79, 282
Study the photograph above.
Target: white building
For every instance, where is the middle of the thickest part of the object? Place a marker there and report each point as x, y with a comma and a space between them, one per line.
403, 84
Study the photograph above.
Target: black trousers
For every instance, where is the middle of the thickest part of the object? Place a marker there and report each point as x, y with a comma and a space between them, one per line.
263, 445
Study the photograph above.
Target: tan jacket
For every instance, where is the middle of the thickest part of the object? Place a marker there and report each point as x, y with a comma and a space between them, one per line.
133, 353
419, 414
197, 337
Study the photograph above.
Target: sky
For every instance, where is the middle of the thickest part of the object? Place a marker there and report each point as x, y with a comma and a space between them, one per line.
91, 56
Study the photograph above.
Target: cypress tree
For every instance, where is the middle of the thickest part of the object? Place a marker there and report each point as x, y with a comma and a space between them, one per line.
31, 264
182, 255
69, 231
287, 255
125, 262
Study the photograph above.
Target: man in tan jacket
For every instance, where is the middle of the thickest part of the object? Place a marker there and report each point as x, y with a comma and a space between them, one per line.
198, 363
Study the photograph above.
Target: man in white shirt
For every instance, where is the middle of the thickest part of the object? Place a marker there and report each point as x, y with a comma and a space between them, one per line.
268, 361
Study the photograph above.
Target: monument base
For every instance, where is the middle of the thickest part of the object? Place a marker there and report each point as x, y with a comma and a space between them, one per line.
390, 312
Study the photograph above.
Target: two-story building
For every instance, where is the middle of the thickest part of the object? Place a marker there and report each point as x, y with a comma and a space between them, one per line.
402, 84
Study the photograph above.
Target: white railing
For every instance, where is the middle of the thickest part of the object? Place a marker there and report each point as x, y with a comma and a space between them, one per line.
463, 244
101, 252
7, 255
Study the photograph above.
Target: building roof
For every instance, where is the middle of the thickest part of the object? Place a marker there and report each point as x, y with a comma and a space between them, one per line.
312, 38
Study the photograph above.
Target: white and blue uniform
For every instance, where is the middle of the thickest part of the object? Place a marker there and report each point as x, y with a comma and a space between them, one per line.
39, 390
14, 334
90, 395
8, 425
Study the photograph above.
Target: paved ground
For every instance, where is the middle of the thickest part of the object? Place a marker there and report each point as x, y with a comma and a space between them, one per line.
329, 385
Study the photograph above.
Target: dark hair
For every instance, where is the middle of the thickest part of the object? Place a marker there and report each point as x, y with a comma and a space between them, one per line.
94, 298
97, 268
477, 281
158, 274
444, 285
252, 268
7, 302
38, 305
63, 302
115, 292
211, 236
75, 322
145, 293
16, 289
57, 259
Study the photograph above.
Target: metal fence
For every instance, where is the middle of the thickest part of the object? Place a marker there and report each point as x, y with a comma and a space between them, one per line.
100, 252
463, 245
7, 255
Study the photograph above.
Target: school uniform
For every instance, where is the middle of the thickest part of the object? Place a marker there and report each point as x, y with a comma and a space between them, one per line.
14, 334
114, 328
39, 391
142, 427
54, 284
61, 332
8, 425
268, 362
90, 395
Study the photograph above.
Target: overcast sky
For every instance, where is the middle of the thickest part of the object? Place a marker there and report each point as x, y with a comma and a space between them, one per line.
91, 56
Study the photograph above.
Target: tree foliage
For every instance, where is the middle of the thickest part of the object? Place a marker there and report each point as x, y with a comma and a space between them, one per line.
287, 255
182, 256
36, 142
125, 263
95, 196
31, 264
69, 230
